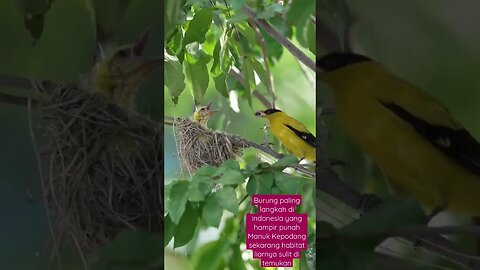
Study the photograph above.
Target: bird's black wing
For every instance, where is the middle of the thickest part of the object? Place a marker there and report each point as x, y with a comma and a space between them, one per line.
457, 144
306, 136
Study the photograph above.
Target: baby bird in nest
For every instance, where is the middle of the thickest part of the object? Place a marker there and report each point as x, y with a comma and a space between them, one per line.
118, 74
202, 114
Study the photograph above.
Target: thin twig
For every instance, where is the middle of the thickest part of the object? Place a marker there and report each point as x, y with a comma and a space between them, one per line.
310, 78
281, 39
261, 42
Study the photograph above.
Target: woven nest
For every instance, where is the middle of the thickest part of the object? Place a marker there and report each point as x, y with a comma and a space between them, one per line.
198, 145
102, 168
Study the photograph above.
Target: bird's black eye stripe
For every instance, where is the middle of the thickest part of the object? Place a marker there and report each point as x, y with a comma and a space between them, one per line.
270, 111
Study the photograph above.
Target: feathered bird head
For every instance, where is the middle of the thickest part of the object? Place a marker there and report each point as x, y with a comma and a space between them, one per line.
202, 114
119, 73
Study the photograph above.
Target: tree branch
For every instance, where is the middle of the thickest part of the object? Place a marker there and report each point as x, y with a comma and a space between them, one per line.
169, 120
280, 38
261, 42
329, 183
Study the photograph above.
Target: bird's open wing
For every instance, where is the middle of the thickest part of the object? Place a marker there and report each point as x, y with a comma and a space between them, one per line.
305, 136
453, 140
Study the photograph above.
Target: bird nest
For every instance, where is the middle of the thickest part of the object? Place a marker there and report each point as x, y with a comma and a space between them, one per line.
102, 168
198, 145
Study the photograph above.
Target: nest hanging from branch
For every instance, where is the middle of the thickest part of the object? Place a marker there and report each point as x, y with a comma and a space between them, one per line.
198, 145
102, 167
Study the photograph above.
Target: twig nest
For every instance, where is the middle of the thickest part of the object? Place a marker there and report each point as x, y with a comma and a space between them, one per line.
102, 168
198, 145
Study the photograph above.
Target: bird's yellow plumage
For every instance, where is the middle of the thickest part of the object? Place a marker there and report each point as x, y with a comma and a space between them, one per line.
413, 138
291, 133
119, 73
202, 114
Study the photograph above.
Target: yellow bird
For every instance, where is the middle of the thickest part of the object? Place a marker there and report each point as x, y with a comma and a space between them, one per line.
291, 133
202, 114
118, 74
415, 140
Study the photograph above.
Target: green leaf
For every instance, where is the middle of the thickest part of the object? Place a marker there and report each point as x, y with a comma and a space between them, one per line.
226, 59
289, 184
311, 38
270, 11
299, 15
185, 230
261, 72
108, 14
274, 49
238, 17
210, 255
248, 79
178, 199
231, 164
256, 186
238, 4
246, 30
195, 192
174, 46
285, 162
216, 70
227, 199
134, 248
221, 85
206, 170
198, 27
212, 212
197, 73
266, 179
173, 16
230, 173
21, 55
236, 261
175, 81
231, 177
169, 227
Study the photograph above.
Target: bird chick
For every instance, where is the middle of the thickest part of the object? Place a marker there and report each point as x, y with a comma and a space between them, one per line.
118, 75
202, 114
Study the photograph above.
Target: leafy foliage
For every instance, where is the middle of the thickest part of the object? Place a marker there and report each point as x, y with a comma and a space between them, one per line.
215, 189
219, 36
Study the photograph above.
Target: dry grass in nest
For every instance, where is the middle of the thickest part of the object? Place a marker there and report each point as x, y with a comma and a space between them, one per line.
198, 145
102, 168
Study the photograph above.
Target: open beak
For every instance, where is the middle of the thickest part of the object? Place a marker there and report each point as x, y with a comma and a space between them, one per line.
139, 46
142, 63
210, 111
260, 114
